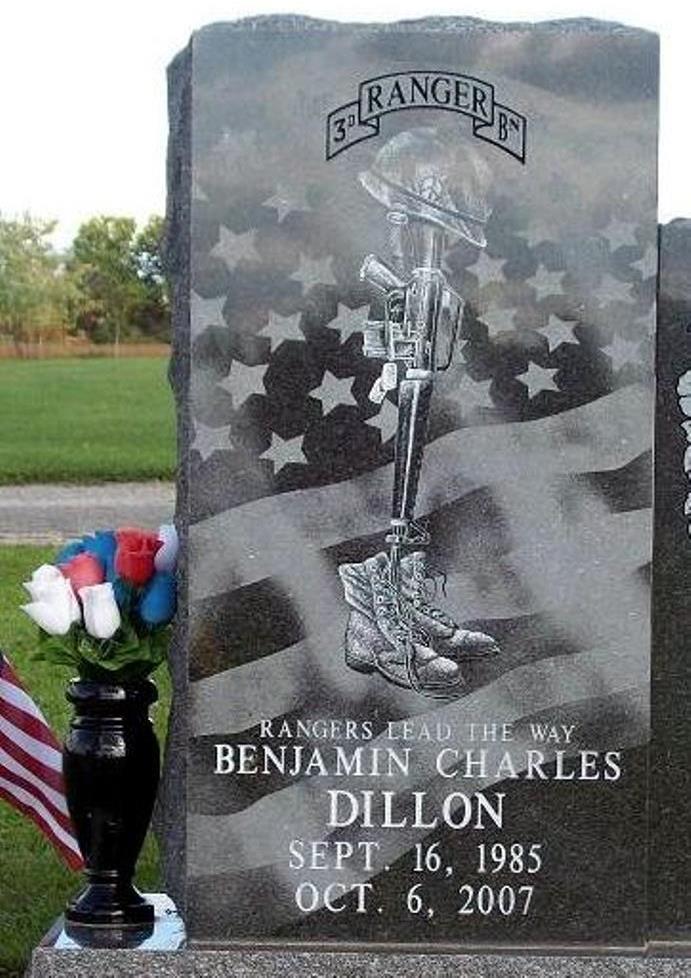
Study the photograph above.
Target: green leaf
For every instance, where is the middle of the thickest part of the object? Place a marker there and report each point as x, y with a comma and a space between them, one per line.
125, 657
57, 649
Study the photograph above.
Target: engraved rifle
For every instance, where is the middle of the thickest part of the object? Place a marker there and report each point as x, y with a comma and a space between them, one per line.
435, 188
416, 338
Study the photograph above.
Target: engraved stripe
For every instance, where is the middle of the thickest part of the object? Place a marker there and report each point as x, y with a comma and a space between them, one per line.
260, 834
238, 698
263, 535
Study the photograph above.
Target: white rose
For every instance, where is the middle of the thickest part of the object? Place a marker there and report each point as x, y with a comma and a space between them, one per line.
167, 556
54, 606
101, 612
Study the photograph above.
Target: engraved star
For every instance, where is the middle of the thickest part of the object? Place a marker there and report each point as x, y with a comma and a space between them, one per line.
284, 451
234, 248
243, 381
472, 394
557, 331
620, 233
622, 351
197, 192
546, 282
286, 200
348, 321
313, 271
209, 440
386, 421
647, 265
612, 289
205, 312
499, 320
334, 391
282, 328
487, 269
538, 379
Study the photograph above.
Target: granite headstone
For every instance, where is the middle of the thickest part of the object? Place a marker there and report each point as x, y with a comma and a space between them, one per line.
442, 743
485, 784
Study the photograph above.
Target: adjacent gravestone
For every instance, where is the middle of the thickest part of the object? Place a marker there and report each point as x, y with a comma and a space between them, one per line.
669, 857
413, 690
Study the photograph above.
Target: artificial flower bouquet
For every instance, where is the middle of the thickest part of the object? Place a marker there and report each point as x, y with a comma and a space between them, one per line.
104, 607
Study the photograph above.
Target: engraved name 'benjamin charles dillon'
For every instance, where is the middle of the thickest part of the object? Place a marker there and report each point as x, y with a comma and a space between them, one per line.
394, 809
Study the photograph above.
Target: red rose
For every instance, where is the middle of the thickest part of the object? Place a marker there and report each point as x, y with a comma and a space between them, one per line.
83, 570
134, 557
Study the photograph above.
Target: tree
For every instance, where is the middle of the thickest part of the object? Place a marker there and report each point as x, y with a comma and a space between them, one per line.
119, 274
153, 314
110, 286
104, 270
33, 293
147, 253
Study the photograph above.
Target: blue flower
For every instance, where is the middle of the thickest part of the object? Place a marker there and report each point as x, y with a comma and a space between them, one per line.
103, 545
69, 551
158, 602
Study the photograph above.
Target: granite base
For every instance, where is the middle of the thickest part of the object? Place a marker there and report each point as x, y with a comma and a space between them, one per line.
190, 963
162, 953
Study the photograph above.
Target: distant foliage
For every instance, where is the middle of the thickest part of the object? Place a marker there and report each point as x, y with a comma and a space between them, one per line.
34, 290
108, 288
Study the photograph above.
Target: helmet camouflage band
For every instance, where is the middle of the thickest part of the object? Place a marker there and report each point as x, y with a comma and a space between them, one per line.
433, 175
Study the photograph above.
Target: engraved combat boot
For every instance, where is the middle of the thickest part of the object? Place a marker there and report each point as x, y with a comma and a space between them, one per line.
362, 635
405, 659
436, 624
378, 640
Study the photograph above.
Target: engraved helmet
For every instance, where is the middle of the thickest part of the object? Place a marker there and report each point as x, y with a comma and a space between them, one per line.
433, 175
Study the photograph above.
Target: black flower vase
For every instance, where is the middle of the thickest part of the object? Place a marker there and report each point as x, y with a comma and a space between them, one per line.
111, 771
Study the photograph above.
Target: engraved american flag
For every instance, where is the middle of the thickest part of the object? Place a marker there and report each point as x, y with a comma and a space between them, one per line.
536, 493
535, 486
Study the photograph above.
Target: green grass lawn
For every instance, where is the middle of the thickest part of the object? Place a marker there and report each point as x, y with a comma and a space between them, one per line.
85, 420
34, 883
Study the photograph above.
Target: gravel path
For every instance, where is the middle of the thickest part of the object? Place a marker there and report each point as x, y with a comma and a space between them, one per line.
50, 514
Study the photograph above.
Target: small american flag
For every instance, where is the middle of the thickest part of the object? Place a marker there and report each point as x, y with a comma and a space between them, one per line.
31, 766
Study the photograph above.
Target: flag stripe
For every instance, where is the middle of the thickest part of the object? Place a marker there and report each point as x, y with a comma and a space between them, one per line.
599, 610
30, 806
238, 698
259, 835
44, 753
11, 691
602, 435
50, 774
472, 540
60, 817
30, 725
522, 641
54, 798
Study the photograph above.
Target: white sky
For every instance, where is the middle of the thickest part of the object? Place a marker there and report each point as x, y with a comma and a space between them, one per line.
83, 91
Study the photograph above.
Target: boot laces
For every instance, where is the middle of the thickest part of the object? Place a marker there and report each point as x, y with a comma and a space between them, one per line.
427, 582
402, 627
